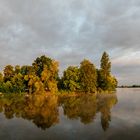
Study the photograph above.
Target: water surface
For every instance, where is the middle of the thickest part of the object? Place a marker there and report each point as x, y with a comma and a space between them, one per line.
104, 117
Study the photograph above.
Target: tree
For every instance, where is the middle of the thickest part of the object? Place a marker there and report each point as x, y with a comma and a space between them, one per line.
1, 78
17, 69
7, 87
71, 78
8, 73
42, 75
105, 80
18, 83
40, 63
49, 76
88, 76
105, 65
1, 82
111, 83
47, 70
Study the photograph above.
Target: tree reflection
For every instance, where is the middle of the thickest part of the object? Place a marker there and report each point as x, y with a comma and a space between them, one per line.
105, 103
43, 110
85, 108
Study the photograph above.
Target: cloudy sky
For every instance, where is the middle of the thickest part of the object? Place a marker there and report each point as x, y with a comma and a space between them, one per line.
71, 30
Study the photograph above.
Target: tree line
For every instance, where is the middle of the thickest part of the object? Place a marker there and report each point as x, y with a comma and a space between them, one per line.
43, 76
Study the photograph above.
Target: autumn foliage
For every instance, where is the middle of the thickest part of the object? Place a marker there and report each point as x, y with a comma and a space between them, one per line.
43, 76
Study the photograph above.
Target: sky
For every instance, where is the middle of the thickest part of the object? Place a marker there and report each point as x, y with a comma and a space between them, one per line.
71, 30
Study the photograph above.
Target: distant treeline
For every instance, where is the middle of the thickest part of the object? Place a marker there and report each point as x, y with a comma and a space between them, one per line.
43, 76
132, 86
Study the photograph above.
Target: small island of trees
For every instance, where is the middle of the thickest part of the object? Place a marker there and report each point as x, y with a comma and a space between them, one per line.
42, 76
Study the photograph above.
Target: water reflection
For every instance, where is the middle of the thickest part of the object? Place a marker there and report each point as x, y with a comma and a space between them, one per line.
43, 110
86, 107
105, 104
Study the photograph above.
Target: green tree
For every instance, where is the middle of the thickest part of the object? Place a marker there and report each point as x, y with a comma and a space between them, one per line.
26, 70
71, 78
18, 83
105, 65
105, 80
7, 87
88, 76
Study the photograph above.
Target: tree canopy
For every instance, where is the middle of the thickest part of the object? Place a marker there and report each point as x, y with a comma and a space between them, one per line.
43, 76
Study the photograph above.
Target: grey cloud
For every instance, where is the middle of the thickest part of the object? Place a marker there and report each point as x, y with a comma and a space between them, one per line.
70, 31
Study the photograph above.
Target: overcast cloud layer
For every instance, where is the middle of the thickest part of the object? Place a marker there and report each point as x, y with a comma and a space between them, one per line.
70, 30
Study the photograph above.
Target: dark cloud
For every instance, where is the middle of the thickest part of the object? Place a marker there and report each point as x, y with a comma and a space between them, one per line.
72, 30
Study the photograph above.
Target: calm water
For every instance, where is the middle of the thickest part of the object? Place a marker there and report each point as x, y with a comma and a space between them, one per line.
104, 117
